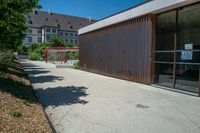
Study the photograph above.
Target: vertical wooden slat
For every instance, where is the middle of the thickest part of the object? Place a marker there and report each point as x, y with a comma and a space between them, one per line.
153, 46
123, 50
174, 65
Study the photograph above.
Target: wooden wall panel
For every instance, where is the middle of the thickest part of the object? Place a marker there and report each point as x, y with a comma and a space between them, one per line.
123, 50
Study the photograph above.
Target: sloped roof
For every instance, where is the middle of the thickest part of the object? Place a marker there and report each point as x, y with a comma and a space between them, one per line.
63, 22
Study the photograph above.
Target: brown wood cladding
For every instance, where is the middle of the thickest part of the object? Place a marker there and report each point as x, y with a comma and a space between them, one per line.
123, 50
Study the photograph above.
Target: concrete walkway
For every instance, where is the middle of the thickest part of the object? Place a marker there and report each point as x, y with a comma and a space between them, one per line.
82, 102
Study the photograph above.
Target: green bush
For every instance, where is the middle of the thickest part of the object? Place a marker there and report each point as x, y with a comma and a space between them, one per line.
32, 47
35, 56
36, 51
73, 55
5, 59
76, 65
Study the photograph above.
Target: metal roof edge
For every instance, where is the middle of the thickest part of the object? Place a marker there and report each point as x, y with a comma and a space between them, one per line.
153, 6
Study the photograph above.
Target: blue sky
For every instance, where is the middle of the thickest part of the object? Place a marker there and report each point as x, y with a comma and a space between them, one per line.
96, 9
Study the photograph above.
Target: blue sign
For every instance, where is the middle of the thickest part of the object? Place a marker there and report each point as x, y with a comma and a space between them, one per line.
186, 55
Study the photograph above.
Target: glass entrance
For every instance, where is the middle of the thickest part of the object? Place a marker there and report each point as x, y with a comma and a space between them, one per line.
178, 49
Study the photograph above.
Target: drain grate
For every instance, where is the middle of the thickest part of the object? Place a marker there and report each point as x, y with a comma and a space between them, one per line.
142, 106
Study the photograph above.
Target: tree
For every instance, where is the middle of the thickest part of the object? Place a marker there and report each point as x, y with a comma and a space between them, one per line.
56, 41
13, 22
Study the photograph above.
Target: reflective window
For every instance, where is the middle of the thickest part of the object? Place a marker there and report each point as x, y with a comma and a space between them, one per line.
48, 37
61, 33
71, 34
189, 28
39, 31
29, 39
66, 34
164, 75
54, 30
39, 39
179, 70
48, 30
166, 27
187, 77
30, 31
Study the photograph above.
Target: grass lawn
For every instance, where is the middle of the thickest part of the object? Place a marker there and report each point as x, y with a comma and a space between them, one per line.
19, 109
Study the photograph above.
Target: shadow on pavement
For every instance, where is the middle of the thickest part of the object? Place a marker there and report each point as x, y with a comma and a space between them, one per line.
45, 78
34, 72
62, 96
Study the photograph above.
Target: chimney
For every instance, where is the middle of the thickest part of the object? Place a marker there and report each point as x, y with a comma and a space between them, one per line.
50, 13
35, 11
90, 19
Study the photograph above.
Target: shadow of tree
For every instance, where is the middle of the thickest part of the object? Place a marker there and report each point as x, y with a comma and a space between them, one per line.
32, 72
28, 65
62, 96
16, 88
45, 78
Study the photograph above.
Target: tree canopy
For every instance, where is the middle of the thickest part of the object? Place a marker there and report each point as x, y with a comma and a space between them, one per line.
13, 22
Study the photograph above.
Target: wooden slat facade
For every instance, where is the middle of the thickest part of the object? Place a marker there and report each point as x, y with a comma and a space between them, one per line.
124, 50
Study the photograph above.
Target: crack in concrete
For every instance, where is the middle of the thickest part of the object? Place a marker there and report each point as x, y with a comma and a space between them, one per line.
64, 116
184, 114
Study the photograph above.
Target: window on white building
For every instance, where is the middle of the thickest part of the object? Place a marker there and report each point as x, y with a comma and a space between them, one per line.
39, 39
48, 37
54, 30
71, 34
61, 33
48, 30
66, 40
75, 41
30, 31
39, 31
75, 34
71, 41
29, 39
66, 34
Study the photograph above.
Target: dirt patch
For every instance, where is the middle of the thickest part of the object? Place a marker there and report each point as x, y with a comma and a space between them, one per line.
19, 110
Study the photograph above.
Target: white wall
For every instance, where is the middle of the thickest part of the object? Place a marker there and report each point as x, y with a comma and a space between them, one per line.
34, 34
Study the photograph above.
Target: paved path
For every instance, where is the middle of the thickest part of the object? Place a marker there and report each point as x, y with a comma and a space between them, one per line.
82, 102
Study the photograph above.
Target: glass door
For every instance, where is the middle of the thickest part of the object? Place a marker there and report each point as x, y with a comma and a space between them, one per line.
188, 49
178, 49
166, 29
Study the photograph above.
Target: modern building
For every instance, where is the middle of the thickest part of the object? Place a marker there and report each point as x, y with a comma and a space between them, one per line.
155, 43
42, 25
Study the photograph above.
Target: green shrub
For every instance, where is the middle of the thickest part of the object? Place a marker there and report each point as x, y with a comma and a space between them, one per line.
32, 47
5, 59
76, 65
73, 55
36, 51
16, 114
35, 56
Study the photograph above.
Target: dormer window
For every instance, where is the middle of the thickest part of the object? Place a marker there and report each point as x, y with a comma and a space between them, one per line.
36, 12
58, 25
30, 22
80, 25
